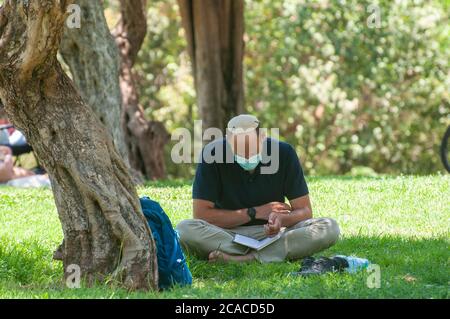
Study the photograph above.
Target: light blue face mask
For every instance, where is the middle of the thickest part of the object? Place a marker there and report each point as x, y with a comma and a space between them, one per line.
248, 164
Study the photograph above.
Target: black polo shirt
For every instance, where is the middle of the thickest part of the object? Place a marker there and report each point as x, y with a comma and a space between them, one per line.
229, 186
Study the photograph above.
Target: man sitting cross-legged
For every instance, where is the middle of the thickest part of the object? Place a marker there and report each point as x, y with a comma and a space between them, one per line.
237, 195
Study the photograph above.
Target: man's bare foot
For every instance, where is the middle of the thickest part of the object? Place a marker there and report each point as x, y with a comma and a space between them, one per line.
219, 256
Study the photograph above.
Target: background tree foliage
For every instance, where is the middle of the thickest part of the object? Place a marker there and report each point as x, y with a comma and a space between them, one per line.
345, 94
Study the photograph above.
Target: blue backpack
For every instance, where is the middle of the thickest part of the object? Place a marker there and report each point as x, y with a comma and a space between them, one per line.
172, 266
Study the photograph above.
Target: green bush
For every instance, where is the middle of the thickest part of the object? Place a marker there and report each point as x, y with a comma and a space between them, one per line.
345, 93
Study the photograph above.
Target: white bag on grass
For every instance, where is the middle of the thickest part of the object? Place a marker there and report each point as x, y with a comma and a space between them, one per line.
30, 181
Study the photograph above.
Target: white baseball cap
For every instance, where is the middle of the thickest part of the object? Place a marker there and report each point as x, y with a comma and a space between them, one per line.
243, 123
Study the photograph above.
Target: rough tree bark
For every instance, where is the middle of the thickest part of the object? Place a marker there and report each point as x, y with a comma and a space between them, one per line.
104, 229
145, 139
93, 58
214, 32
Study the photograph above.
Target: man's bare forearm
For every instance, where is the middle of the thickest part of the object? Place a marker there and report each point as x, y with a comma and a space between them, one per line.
295, 216
224, 218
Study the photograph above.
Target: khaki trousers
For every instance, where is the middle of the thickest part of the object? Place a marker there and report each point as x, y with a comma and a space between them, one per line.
304, 239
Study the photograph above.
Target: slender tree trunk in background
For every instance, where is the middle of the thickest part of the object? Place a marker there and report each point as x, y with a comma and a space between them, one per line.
145, 139
94, 62
214, 33
104, 229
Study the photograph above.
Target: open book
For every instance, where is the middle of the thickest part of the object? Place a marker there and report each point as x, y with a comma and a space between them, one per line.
257, 244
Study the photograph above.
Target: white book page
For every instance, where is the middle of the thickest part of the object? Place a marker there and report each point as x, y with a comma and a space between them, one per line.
254, 243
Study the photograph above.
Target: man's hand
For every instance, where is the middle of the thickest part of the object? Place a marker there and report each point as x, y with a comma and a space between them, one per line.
5, 150
264, 211
273, 225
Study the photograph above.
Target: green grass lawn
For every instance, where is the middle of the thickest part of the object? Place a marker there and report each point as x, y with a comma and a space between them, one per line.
398, 223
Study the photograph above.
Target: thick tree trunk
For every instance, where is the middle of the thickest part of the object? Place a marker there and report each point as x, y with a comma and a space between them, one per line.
104, 229
214, 32
93, 58
145, 139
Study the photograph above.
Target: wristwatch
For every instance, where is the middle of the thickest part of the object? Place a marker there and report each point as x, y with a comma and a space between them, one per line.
251, 212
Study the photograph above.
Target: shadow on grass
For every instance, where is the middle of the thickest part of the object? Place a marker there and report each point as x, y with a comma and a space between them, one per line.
169, 183
350, 178
26, 262
415, 268
175, 183
418, 260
